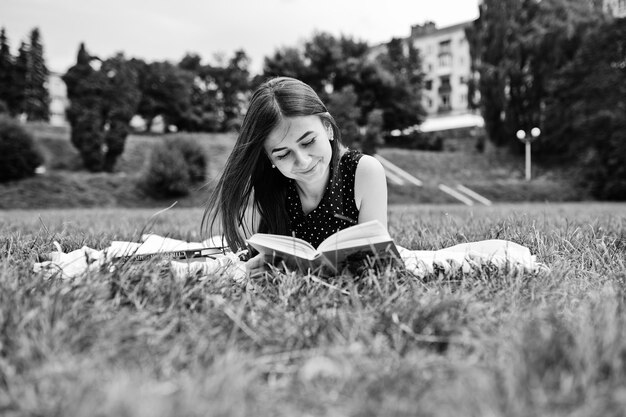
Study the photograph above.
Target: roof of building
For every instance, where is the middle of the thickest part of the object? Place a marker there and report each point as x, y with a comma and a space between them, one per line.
444, 30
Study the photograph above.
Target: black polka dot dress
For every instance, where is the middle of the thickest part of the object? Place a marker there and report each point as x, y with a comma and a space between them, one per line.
337, 209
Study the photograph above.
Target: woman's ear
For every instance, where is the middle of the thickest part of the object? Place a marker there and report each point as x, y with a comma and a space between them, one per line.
329, 131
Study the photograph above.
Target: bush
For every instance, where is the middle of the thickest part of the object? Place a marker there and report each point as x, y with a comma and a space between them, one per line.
416, 141
18, 155
194, 157
175, 165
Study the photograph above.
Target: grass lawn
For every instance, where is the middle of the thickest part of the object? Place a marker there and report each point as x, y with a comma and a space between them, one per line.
136, 342
495, 175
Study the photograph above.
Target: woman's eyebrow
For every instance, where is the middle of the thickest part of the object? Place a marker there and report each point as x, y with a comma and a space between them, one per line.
307, 133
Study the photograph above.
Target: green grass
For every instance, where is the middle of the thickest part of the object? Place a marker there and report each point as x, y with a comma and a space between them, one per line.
137, 342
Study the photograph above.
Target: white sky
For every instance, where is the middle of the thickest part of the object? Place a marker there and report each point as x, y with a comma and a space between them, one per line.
167, 29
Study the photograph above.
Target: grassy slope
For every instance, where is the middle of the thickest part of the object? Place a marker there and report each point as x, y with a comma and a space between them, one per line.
135, 342
498, 177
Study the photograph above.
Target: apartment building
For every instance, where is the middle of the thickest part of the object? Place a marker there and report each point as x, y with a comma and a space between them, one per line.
446, 63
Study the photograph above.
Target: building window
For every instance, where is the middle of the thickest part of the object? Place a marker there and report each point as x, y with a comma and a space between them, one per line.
428, 85
444, 84
445, 60
444, 99
445, 47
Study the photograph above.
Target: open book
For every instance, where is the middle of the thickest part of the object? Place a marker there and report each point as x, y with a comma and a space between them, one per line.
365, 242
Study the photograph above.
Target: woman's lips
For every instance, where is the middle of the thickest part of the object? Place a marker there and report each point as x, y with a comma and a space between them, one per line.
308, 170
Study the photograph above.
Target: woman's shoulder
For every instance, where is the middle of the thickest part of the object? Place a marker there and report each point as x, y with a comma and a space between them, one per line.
369, 164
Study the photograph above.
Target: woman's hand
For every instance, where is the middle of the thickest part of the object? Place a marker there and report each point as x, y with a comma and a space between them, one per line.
256, 266
259, 264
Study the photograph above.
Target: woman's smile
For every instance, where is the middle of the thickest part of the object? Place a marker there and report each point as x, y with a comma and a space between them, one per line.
309, 170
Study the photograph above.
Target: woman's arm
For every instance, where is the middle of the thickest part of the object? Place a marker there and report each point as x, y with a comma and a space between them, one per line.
370, 190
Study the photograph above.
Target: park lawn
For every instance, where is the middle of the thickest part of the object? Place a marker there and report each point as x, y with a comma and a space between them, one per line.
495, 175
136, 342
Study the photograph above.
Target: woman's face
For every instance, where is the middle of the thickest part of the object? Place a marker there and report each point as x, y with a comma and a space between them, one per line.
300, 149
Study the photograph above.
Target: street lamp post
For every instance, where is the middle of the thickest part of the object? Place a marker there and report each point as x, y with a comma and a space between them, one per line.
527, 139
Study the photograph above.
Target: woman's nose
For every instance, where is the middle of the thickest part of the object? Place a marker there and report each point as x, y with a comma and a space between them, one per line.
303, 159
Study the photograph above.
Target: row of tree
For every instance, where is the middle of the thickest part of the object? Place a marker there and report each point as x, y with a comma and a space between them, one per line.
23, 78
382, 92
559, 65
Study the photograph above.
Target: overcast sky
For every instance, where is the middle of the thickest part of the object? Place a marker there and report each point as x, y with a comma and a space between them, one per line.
167, 29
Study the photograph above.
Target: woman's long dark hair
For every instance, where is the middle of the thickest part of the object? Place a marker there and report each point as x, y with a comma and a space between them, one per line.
248, 173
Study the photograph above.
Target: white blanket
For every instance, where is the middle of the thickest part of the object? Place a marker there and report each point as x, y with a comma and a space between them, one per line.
501, 254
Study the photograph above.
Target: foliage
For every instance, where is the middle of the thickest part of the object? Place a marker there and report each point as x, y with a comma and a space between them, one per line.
205, 113
165, 91
391, 81
220, 92
102, 102
373, 135
8, 91
233, 84
520, 47
586, 119
287, 61
501, 343
416, 140
23, 79
18, 154
174, 166
401, 105
36, 100
343, 106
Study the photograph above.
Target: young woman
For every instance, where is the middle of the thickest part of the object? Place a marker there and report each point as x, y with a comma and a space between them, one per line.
289, 162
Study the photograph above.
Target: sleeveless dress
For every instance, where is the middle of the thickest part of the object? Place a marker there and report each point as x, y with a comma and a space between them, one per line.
337, 209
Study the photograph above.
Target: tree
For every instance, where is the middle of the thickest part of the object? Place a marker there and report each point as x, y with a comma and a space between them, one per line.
121, 99
165, 91
36, 97
587, 113
519, 47
392, 82
85, 90
373, 136
402, 101
7, 72
233, 82
204, 113
343, 106
103, 98
20, 79
324, 53
287, 62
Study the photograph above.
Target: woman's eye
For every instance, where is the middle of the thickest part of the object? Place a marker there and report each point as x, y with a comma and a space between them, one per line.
283, 156
309, 142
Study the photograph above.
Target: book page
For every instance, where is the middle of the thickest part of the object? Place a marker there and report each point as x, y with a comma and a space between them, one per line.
282, 245
372, 230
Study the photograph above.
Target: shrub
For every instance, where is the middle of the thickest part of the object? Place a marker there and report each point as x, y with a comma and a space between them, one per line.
18, 155
194, 157
175, 165
416, 141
